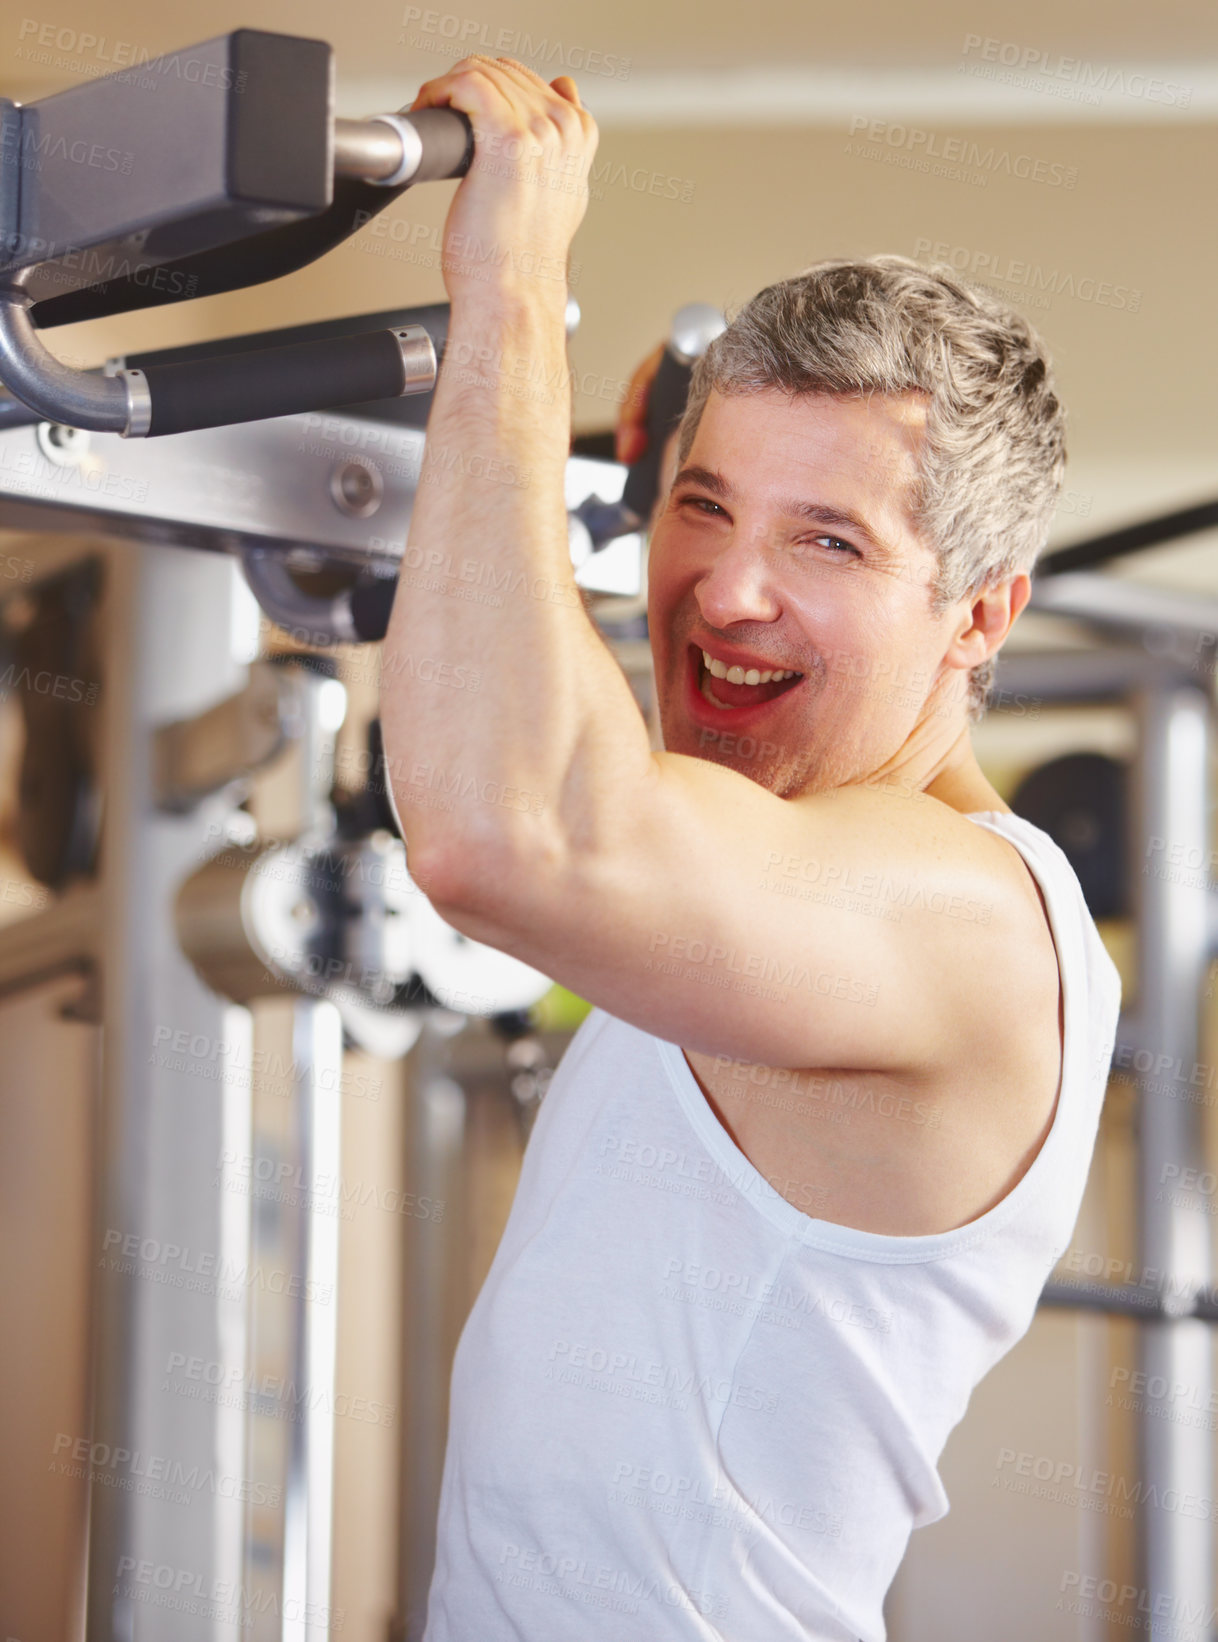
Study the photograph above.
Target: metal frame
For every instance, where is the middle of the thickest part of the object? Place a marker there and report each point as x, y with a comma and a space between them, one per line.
274, 485
165, 1171
1171, 703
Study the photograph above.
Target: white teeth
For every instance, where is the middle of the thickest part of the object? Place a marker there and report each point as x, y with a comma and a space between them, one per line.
737, 675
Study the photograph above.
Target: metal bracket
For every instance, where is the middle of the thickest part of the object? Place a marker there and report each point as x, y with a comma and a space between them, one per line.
198, 756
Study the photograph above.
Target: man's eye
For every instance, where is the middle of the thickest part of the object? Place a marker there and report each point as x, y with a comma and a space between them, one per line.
837, 542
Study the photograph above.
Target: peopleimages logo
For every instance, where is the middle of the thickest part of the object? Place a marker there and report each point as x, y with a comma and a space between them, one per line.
1036, 69
959, 159
1071, 1482
1095, 1596
159, 1475
1043, 282
464, 36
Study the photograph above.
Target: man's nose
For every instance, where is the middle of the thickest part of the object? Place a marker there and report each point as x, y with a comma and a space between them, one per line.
737, 585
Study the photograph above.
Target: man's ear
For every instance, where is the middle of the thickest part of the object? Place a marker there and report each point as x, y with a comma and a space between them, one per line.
989, 616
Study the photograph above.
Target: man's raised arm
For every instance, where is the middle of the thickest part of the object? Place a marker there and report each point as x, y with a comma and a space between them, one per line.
508, 725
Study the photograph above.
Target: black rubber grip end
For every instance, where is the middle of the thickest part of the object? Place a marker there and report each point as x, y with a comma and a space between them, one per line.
265, 382
448, 143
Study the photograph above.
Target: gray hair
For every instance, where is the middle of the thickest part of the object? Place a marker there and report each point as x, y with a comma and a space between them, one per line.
994, 450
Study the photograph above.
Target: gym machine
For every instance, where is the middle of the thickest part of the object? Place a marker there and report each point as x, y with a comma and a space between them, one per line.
1127, 828
291, 471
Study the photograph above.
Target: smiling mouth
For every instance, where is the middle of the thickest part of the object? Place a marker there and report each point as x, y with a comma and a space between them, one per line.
726, 695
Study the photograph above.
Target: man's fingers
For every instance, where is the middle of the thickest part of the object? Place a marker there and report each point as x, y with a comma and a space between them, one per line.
472, 78
534, 87
566, 87
524, 91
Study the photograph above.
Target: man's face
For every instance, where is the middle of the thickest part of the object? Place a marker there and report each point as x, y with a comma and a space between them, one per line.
786, 542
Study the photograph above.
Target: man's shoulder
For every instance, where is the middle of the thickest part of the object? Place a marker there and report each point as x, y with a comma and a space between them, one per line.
963, 890
908, 828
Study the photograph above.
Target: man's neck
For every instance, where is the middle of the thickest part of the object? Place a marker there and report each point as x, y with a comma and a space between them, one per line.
947, 770
966, 789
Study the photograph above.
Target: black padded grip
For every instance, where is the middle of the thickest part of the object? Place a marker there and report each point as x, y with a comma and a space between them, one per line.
665, 405
249, 387
448, 143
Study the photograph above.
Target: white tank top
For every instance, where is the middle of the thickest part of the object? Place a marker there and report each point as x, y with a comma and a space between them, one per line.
681, 1407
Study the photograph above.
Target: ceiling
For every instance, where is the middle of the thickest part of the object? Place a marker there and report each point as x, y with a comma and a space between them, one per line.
643, 63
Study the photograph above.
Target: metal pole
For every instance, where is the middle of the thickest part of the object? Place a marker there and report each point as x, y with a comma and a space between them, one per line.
317, 1057
1173, 953
175, 1096
294, 1168
435, 1141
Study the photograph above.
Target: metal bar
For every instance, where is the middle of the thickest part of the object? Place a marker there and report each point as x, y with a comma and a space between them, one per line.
14, 413
296, 1136
67, 935
1126, 606
317, 1052
1114, 544
222, 489
1127, 1300
366, 148
171, 1280
82, 399
1069, 676
435, 1139
1173, 951
278, 483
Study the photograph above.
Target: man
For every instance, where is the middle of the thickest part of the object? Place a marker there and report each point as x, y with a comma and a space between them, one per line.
806, 1165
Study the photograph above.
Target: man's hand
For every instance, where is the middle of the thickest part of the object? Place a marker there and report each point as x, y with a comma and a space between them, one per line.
516, 210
